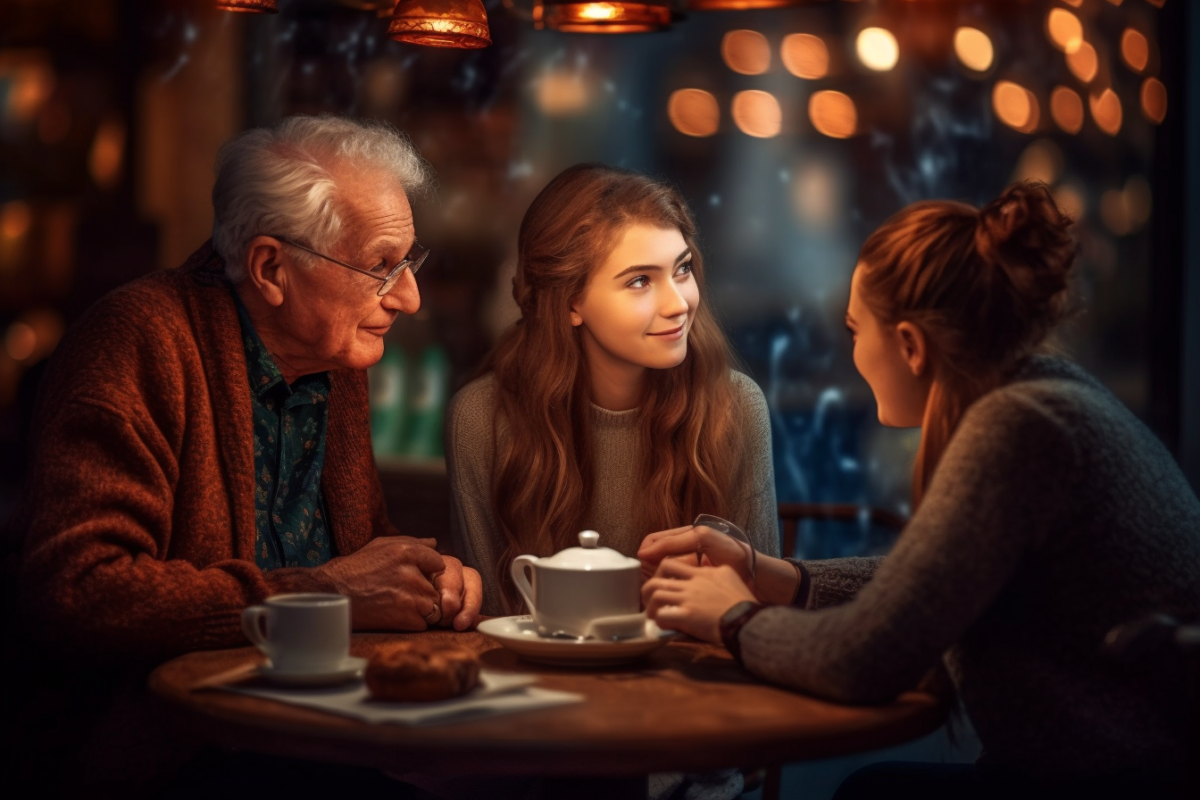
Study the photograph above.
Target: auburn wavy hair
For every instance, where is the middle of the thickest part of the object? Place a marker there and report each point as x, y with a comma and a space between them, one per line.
986, 286
543, 477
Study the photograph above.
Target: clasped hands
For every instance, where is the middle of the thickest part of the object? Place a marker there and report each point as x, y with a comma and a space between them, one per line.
403, 583
683, 595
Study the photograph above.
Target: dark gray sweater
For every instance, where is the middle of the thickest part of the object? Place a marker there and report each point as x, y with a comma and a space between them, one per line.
1053, 516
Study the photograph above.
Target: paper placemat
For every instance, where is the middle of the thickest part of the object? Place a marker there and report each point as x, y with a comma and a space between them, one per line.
498, 693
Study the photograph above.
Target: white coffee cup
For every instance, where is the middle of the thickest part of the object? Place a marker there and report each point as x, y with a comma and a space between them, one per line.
584, 592
301, 633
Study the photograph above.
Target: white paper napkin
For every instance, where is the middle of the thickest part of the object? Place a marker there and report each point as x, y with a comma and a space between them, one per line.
497, 693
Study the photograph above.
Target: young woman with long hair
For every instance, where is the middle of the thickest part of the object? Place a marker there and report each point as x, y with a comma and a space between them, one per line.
612, 403
1045, 515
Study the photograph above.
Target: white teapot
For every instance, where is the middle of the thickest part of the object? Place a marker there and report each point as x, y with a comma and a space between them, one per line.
585, 592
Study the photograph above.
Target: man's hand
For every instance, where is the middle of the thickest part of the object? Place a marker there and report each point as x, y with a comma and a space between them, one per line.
390, 583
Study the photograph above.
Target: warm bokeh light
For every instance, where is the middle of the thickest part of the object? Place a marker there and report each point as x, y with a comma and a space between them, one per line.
1135, 49
805, 56
598, 11
1041, 161
833, 114
757, 113
20, 341
974, 49
746, 52
1083, 63
1070, 201
30, 86
1118, 214
1156, 3
1015, 106
107, 154
1106, 111
694, 112
1064, 29
877, 49
1076, 3
818, 193
1138, 199
1115, 2
1067, 109
562, 94
15, 219
1154, 100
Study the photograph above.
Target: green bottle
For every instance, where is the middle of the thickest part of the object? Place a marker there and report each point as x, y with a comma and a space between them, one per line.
427, 405
387, 381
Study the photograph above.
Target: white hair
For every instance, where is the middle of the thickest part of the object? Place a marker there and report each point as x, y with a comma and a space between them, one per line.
276, 181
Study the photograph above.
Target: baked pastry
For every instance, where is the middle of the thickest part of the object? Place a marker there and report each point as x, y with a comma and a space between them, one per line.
421, 671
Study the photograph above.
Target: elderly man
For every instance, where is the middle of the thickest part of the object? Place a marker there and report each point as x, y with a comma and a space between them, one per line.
203, 437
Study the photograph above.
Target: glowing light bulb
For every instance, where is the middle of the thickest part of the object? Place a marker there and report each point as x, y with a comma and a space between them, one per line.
1066, 107
1015, 106
746, 52
757, 113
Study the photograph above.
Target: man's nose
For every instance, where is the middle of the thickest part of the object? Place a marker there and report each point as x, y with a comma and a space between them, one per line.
404, 296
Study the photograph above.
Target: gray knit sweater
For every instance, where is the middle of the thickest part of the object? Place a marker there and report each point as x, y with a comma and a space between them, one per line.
1053, 516
470, 450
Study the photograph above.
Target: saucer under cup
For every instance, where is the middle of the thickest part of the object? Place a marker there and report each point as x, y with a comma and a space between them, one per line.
302, 634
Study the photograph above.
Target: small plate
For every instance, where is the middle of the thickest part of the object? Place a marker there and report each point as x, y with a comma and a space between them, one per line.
350, 669
520, 635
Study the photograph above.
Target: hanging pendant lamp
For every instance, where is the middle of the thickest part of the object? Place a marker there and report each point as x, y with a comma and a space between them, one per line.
738, 5
611, 16
441, 23
249, 6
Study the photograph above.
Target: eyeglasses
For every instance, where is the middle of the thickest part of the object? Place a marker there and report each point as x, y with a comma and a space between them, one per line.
413, 261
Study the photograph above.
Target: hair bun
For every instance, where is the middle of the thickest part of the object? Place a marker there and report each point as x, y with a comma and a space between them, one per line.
1025, 236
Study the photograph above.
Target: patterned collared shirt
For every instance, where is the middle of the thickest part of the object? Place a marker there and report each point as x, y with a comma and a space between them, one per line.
290, 425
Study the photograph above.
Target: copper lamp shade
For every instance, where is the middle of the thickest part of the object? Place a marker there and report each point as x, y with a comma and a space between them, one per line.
738, 5
249, 6
441, 23
612, 16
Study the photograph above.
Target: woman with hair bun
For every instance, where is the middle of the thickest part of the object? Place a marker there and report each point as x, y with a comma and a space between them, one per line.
611, 404
1045, 515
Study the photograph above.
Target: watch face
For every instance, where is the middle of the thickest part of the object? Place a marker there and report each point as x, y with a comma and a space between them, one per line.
737, 610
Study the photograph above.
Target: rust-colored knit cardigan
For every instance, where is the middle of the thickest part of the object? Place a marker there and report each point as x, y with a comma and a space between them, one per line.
139, 515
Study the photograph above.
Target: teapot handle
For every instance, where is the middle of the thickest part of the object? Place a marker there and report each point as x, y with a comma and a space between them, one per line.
522, 580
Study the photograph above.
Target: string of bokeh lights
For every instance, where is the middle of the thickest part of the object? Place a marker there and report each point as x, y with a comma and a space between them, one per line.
696, 112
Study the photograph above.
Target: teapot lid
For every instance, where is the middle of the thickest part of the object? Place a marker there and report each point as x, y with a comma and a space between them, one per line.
589, 556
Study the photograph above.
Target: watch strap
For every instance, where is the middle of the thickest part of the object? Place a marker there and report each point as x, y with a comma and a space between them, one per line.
732, 622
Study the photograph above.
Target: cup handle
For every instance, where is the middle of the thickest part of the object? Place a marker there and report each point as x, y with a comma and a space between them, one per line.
522, 580
252, 625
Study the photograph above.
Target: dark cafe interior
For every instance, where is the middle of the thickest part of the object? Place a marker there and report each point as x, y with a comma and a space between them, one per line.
670, 399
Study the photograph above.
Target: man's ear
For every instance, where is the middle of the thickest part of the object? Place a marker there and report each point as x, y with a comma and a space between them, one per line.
913, 347
264, 269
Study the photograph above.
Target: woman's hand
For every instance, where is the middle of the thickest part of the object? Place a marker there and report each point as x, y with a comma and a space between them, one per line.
712, 547
691, 599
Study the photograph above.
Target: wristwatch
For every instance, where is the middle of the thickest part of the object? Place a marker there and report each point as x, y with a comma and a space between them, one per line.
732, 622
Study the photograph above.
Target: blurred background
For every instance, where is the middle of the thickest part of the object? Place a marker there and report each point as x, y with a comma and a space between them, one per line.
793, 127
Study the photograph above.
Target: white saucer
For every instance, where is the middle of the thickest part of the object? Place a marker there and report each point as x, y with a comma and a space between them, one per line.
350, 669
520, 635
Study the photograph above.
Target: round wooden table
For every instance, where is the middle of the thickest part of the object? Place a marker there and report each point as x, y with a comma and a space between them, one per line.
686, 707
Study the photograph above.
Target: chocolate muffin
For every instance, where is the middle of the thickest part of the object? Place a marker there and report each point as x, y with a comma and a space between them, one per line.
421, 671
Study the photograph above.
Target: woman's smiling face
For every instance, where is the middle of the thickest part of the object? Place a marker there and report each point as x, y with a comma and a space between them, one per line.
638, 305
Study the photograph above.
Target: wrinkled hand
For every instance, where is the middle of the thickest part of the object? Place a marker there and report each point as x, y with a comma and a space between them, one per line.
461, 594
690, 599
712, 547
390, 583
